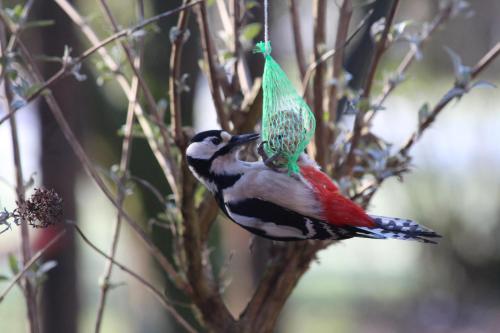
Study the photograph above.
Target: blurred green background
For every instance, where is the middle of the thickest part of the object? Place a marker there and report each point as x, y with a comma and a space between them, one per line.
356, 285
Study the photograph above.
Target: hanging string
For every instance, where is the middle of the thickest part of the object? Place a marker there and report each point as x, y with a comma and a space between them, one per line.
266, 27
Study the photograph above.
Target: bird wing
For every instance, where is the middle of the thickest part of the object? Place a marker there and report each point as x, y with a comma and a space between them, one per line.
261, 182
270, 220
312, 194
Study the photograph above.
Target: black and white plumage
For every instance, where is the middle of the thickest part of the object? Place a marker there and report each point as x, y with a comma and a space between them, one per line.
274, 205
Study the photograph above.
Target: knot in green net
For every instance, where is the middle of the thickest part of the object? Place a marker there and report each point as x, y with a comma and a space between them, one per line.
288, 123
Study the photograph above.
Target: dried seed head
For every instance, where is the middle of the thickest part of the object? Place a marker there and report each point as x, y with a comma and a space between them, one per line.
42, 209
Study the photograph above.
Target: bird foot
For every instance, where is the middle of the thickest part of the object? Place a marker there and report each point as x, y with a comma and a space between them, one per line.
270, 162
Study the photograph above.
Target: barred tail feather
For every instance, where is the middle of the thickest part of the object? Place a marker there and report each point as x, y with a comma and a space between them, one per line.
396, 228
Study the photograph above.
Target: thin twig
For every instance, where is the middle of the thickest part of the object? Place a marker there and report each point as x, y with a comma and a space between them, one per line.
151, 188
154, 110
236, 41
123, 170
208, 54
178, 281
242, 79
328, 54
482, 64
166, 163
13, 38
319, 17
20, 23
27, 286
206, 293
380, 48
30, 263
174, 79
345, 15
98, 47
158, 294
486, 60
140, 25
297, 37
437, 22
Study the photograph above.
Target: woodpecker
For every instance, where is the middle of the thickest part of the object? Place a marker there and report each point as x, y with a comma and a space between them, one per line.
274, 205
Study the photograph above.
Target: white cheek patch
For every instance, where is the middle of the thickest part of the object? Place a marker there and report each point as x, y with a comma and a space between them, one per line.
200, 150
223, 164
225, 136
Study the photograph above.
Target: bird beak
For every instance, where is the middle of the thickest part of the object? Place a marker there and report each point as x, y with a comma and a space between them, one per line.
238, 140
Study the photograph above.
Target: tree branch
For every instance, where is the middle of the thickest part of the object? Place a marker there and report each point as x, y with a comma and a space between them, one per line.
28, 264
482, 64
279, 280
319, 17
327, 55
166, 163
208, 54
380, 48
439, 20
27, 285
206, 294
178, 281
345, 15
174, 80
123, 170
156, 293
297, 37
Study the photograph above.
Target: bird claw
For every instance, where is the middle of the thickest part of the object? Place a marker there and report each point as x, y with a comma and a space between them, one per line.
268, 161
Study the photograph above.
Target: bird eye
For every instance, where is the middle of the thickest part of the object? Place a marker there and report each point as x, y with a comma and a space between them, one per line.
216, 141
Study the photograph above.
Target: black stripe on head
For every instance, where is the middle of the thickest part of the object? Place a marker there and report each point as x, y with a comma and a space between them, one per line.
235, 142
202, 167
203, 135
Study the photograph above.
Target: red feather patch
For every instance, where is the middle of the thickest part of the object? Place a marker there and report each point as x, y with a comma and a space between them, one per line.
338, 210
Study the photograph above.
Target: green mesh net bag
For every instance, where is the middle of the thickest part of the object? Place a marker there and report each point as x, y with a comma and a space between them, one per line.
287, 122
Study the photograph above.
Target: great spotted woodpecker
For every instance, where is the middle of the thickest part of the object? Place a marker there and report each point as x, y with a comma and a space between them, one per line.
274, 205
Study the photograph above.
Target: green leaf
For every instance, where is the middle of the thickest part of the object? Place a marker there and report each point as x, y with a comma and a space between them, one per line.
137, 131
38, 24
423, 113
13, 264
116, 285
15, 13
4, 277
250, 31
11, 73
252, 4
227, 55
32, 89
47, 58
17, 104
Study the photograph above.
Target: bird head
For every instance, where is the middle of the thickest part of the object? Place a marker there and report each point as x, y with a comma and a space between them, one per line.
208, 150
